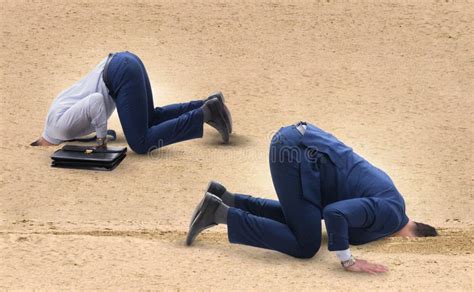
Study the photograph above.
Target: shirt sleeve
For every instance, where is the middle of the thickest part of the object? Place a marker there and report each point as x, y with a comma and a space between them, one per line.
343, 255
97, 114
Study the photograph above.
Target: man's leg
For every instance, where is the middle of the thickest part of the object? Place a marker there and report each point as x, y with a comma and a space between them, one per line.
300, 236
132, 101
148, 91
168, 112
267, 208
160, 114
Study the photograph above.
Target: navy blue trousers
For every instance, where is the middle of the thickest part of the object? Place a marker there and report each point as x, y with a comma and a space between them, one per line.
145, 127
291, 225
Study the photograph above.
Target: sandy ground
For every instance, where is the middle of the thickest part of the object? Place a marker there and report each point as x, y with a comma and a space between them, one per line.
391, 79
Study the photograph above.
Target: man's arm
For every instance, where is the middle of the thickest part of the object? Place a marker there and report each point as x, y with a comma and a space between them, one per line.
98, 117
339, 217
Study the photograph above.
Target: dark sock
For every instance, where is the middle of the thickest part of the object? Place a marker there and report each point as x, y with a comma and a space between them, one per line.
206, 112
220, 216
228, 198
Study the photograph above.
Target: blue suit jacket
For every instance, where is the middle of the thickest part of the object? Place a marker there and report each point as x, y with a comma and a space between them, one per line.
351, 177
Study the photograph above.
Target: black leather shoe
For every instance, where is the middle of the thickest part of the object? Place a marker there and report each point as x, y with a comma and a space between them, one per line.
217, 95
227, 115
218, 118
213, 188
204, 217
216, 188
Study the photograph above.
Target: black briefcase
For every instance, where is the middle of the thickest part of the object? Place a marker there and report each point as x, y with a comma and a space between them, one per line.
88, 157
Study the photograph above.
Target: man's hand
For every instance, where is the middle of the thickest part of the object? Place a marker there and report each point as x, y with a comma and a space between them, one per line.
362, 266
101, 143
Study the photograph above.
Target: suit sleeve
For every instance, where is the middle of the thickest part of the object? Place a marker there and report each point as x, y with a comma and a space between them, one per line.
342, 215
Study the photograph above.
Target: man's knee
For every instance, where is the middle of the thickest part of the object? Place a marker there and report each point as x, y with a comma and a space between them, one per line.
138, 147
308, 250
141, 145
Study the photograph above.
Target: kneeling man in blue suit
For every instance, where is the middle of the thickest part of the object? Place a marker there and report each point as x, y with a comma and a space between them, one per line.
316, 177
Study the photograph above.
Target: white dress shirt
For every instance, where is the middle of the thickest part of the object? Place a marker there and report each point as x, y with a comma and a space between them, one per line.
80, 110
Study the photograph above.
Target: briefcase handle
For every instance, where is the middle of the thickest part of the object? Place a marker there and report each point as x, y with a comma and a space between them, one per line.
92, 149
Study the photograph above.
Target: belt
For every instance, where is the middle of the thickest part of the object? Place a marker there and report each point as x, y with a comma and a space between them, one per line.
106, 69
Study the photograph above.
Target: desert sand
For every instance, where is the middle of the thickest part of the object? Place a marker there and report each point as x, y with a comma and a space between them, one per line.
393, 79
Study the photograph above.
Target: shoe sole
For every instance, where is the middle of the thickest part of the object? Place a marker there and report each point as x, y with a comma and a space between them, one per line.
226, 109
221, 98
225, 134
196, 210
229, 118
192, 235
199, 206
218, 94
